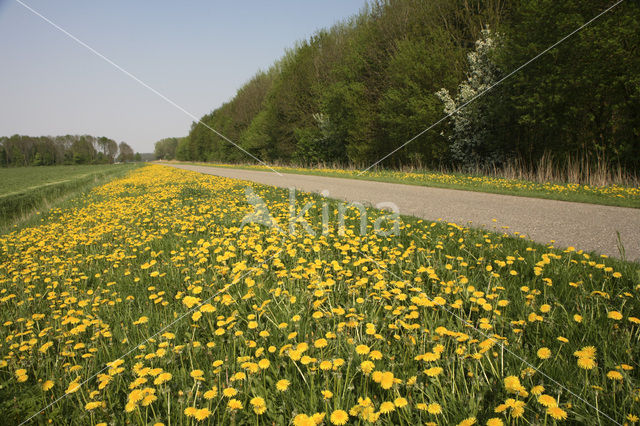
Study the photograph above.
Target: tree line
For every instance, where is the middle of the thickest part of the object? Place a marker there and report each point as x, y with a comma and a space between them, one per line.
21, 150
355, 92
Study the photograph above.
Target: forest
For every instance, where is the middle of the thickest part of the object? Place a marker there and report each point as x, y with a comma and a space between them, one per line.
351, 94
20, 150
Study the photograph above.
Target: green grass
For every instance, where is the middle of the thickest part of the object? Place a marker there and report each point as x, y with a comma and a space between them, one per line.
26, 190
159, 253
608, 195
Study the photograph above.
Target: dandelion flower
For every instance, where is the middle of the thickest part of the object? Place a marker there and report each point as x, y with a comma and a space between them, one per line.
234, 404
162, 378
387, 380
362, 349
586, 363
202, 414
320, 343
282, 385
366, 366
211, 393
73, 387
557, 413
92, 405
229, 392
400, 402
259, 405
387, 407
434, 408
547, 401
544, 353
614, 375
339, 417
614, 315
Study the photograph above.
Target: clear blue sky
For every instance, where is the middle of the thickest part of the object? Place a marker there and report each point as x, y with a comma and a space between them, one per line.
197, 53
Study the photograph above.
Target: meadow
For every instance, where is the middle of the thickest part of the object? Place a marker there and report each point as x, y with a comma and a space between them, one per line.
550, 186
146, 302
23, 190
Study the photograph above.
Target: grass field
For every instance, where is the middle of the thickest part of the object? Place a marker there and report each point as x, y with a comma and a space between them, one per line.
611, 195
25, 189
145, 302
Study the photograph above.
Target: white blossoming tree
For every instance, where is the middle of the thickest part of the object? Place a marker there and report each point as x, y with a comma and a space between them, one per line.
470, 145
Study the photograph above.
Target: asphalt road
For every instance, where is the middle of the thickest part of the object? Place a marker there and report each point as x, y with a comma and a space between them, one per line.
586, 227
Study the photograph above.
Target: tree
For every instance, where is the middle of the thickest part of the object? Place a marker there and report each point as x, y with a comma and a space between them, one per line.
125, 153
471, 135
165, 149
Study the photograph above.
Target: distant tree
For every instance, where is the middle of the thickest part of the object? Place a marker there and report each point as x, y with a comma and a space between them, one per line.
165, 149
137, 157
125, 153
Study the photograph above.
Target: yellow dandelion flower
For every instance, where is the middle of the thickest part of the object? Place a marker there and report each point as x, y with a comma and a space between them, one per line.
211, 393
362, 349
339, 417
73, 387
387, 380
92, 405
586, 363
434, 408
544, 353
614, 375
400, 402
387, 407
202, 414
537, 390
259, 405
557, 413
162, 378
320, 343
229, 392
614, 315
547, 401
367, 366
283, 385
234, 404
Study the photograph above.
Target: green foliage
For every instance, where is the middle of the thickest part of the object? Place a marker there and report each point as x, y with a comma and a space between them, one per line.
583, 95
374, 80
165, 149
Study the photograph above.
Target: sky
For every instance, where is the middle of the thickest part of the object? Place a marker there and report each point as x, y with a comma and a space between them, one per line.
195, 53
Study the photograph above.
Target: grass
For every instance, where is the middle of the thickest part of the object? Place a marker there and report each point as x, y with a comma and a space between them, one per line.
145, 302
611, 195
25, 191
